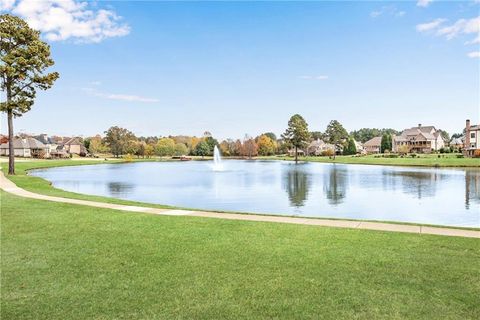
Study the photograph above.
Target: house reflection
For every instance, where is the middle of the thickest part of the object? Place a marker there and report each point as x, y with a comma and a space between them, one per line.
120, 189
417, 183
297, 183
335, 184
472, 187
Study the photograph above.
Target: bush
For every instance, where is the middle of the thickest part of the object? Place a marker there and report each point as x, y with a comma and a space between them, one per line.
460, 156
328, 153
128, 158
476, 153
413, 155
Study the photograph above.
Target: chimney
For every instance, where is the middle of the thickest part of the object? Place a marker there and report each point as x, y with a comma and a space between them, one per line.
467, 134
419, 125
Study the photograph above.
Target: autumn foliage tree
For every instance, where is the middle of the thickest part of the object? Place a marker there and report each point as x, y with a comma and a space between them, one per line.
24, 59
250, 148
118, 140
266, 146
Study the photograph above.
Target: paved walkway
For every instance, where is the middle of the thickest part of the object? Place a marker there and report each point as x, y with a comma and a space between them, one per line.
10, 187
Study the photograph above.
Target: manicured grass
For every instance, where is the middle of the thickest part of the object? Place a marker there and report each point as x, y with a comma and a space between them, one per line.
42, 186
426, 160
62, 261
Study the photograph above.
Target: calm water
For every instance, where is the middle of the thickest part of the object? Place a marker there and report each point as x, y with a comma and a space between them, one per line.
422, 195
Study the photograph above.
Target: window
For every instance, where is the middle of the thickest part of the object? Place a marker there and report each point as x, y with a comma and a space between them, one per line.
472, 135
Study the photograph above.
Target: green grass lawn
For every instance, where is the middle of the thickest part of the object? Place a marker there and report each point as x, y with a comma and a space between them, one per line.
427, 160
62, 261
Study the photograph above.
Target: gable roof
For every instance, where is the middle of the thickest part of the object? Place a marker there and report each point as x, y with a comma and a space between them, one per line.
374, 142
43, 138
73, 140
27, 143
456, 141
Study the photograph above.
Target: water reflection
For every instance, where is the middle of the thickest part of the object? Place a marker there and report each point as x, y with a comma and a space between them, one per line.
417, 183
335, 185
421, 195
120, 189
472, 187
297, 184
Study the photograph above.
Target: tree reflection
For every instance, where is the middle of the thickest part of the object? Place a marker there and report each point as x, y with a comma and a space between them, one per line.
335, 185
118, 189
297, 184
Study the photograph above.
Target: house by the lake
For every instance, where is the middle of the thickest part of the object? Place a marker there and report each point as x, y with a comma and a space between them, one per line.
420, 139
373, 145
456, 143
25, 147
319, 147
472, 139
73, 146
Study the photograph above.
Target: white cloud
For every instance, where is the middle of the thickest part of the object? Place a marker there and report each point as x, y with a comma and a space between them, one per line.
6, 4
458, 28
121, 97
319, 77
126, 97
68, 19
387, 11
461, 26
429, 26
424, 3
474, 41
474, 54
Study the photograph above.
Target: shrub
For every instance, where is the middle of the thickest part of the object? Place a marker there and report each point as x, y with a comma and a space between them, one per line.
476, 153
128, 158
413, 155
459, 155
328, 153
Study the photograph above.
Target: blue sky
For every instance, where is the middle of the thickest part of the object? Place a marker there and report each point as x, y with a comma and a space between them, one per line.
160, 68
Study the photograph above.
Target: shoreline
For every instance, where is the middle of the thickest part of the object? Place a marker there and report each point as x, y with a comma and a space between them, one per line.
47, 189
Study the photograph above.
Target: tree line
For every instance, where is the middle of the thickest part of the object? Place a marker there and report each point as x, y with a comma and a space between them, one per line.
120, 141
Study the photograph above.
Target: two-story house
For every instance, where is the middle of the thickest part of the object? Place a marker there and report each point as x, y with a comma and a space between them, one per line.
420, 139
472, 139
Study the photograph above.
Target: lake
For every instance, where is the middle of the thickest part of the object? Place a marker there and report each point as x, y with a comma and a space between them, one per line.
449, 197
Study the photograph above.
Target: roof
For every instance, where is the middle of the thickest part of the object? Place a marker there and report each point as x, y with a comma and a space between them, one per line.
316, 143
418, 133
475, 127
27, 143
456, 141
43, 138
374, 142
71, 141
319, 143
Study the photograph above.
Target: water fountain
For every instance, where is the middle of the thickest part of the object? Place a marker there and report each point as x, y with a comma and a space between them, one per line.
217, 160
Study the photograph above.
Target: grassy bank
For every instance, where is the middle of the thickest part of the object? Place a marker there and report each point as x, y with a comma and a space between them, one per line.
424, 160
63, 261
